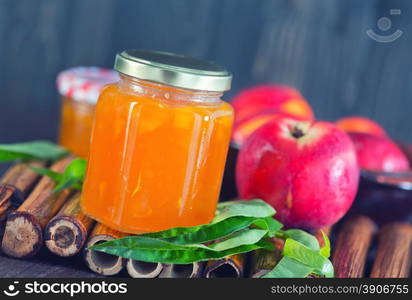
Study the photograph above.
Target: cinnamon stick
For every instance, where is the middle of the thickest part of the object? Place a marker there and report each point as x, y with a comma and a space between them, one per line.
100, 262
66, 234
23, 234
393, 257
6, 206
231, 266
352, 246
21, 177
15, 185
141, 269
6, 195
193, 270
263, 261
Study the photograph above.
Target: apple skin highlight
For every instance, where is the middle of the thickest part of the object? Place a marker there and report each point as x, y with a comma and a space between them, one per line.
307, 171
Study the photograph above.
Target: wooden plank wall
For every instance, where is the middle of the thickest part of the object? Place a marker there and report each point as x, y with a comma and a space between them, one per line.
319, 46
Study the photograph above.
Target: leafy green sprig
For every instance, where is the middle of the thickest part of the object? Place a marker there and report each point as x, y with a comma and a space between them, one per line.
239, 227
72, 177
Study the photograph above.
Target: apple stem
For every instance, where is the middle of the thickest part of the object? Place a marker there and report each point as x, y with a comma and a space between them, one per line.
297, 132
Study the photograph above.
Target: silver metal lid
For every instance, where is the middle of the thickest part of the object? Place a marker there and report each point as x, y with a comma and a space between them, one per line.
172, 69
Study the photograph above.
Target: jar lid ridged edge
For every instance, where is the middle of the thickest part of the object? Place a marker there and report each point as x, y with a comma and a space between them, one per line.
171, 69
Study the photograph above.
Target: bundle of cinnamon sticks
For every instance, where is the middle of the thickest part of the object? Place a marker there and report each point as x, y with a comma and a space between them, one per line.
27, 225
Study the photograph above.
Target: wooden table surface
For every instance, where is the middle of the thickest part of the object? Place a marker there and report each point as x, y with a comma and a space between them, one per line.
43, 265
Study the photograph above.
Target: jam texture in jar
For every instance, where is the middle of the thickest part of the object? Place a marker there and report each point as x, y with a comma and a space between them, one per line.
80, 88
158, 150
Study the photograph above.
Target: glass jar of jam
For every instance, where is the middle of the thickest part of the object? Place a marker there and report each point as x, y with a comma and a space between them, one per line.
159, 143
79, 88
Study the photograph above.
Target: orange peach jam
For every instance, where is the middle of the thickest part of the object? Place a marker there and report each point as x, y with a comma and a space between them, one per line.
157, 156
75, 126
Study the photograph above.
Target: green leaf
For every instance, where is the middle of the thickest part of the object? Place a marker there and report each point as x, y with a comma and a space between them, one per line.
325, 250
308, 257
65, 184
220, 230
304, 238
173, 232
47, 172
72, 176
302, 253
157, 250
231, 216
75, 170
269, 224
327, 269
240, 238
289, 268
212, 231
41, 150
248, 208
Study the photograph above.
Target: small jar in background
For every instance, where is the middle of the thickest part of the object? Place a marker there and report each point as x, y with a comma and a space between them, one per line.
79, 88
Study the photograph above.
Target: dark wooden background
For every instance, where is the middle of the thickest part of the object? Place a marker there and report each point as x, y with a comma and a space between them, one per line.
319, 46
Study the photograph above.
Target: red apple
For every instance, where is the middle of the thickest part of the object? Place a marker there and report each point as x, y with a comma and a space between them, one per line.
307, 171
243, 129
377, 153
278, 98
360, 124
